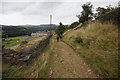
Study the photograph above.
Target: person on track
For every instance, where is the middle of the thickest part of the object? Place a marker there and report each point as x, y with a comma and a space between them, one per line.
60, 37
57, 38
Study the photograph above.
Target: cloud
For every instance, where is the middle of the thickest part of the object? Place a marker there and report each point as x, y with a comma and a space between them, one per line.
33, 12
40, 8
60, 0
12, 7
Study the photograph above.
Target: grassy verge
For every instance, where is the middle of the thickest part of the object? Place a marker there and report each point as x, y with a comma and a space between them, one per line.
98, 44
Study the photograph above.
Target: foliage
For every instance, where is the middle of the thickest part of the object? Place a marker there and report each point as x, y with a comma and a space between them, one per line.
101, 10
60, 29
86, 14
12, 31
73, 25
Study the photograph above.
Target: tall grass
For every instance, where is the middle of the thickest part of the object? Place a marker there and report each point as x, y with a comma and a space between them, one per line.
99, 47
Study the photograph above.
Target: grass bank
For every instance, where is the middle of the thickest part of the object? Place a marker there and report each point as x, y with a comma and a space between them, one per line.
38, 67
98, 44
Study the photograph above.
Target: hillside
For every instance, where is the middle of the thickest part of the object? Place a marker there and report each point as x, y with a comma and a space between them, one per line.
89, 52
98, 44
13, 31
40, 27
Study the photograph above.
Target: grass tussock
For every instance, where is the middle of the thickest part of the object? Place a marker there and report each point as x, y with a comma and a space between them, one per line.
98, 44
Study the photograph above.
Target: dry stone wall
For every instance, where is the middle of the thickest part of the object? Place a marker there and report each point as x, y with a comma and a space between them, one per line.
26, 54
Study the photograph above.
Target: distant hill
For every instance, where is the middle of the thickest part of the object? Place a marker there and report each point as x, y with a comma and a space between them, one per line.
13, 31
41, 27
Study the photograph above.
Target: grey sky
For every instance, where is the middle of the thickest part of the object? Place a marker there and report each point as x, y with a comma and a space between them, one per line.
19, 12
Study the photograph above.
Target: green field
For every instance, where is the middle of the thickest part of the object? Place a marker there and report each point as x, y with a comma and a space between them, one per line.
14, 41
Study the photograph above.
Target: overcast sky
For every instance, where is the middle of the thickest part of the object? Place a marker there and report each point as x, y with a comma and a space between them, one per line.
36, 12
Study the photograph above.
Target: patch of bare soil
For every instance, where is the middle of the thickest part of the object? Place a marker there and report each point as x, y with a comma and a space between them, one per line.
66, 63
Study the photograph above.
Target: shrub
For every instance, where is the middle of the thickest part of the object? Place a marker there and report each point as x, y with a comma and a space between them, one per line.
78, 40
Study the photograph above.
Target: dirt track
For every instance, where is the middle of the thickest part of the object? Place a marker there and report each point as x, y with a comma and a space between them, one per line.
66, 63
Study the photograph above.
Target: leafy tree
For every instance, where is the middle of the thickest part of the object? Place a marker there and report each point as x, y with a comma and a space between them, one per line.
109, 8
60, 29
87, 13
74, 24
100, 11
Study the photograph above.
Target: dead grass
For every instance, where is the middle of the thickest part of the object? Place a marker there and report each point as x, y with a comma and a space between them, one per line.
99, 47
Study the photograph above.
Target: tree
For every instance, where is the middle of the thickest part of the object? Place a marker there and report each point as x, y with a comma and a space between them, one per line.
74, 24
101, 11
87, 13
60, 29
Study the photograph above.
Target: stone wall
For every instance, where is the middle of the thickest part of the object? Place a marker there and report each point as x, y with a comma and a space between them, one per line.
26, 54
